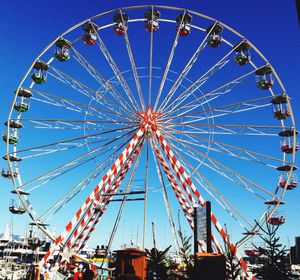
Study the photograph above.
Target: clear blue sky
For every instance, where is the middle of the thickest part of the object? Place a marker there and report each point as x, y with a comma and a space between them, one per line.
28, 26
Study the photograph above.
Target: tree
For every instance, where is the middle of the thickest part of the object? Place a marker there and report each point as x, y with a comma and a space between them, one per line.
233, 267
185, 253
157, 264
274, 261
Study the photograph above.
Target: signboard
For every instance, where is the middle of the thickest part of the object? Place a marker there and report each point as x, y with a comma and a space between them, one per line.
202, 226
201, 223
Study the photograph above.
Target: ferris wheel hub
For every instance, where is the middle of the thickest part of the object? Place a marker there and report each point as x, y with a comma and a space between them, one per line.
149, 120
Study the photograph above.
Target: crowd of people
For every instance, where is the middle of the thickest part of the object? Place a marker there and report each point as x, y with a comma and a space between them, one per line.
77, 272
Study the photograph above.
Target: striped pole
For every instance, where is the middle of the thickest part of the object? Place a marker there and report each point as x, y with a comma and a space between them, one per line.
186, 181
81, 214
101, 207
187, 209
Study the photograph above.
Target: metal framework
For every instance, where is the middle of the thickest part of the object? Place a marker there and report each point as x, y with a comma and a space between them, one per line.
106, 103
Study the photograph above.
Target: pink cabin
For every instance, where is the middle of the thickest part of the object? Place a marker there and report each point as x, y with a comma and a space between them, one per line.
291, 185
277, 220
252, 253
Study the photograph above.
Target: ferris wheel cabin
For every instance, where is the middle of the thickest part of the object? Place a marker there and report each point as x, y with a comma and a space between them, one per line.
184, 24
215, 38
151, 23
62, 52
120, 20
90, 30
39, 72
242, 53
264, 78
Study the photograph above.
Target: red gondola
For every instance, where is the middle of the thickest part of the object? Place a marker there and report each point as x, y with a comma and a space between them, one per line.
252, 253
277, 221
287, 148
291, 185
184, 24
151, 23
281, 114
120, 20
90, 37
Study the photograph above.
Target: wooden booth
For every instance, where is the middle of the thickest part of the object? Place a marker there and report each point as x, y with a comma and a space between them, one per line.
131, 264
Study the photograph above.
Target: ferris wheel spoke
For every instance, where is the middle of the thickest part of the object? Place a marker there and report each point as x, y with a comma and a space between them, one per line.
56, 175
150, 65
186, 180
232, 129
117, 72
82, 184
223, 201
133, 66
69, 105
167, 68
115, 187
185, 71
197, 84
205, 97
78, 158
109, 186
83, 89
51, 177
84, 137
217, 195
67, 146
102, 204
185, 197
79, 107
166, 201
228, 149
224, 110
225, 171
106, 86
214, 167
62, 124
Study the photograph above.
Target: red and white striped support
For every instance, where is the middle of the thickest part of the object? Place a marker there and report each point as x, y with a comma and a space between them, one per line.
84, 212
187, 209
187, 182
84, 236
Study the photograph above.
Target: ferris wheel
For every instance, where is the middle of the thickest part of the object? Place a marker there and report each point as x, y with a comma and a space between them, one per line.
165, 94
